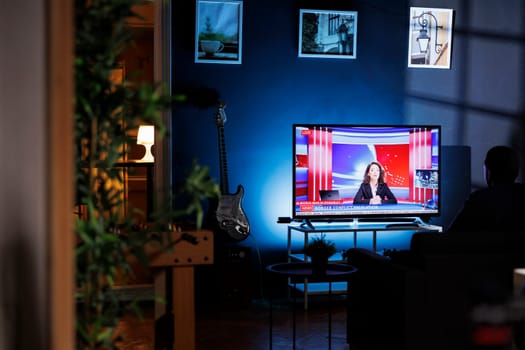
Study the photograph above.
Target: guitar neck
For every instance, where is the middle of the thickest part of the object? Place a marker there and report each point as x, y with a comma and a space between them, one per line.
223, 161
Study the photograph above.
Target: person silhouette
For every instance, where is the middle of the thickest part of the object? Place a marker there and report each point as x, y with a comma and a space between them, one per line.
499, 206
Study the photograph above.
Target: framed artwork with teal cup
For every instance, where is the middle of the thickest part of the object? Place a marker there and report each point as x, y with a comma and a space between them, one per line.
218, 32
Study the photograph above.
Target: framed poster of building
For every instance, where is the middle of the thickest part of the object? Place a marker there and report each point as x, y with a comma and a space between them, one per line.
218, 32
430, 37
327, 33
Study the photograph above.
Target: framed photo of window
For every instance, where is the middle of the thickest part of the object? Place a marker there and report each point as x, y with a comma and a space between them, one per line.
430, 37
218, 32
327, 34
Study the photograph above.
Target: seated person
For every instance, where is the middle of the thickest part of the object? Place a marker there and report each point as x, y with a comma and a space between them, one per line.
374, 190
500, 206
484, 244
497, 208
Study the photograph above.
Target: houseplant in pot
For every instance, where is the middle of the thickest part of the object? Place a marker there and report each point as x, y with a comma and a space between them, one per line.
107, 113
319, 250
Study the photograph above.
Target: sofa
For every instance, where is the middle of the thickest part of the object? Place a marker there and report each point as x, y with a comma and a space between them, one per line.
423, 298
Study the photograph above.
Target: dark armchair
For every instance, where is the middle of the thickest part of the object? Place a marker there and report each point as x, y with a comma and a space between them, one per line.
422, 298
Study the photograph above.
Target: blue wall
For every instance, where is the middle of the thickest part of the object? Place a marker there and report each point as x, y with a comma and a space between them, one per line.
273, 88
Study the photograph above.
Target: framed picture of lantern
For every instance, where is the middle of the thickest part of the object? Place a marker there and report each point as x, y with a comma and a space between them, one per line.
430, 37
327, 34
218, 32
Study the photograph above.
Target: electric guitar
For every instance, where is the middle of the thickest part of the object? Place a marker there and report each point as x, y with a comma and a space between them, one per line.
230, 215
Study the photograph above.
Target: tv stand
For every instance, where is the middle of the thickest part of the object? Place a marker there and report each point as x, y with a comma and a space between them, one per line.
360, 225
407, 225
306, 228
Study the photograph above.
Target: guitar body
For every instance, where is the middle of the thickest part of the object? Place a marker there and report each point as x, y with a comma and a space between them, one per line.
231, 216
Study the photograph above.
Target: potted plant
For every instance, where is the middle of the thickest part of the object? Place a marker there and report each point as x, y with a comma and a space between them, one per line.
319, 250
106, 115
186, 208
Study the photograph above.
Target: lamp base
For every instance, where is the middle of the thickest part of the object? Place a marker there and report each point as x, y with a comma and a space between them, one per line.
148, 156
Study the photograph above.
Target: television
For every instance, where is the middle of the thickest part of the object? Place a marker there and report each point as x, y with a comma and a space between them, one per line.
329, 164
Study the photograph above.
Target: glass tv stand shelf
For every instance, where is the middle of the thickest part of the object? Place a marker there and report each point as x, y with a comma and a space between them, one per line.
354, 228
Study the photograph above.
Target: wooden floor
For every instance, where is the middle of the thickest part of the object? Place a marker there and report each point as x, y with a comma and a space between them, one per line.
247, 327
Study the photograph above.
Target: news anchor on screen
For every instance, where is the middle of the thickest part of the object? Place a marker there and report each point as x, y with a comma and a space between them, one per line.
373, 189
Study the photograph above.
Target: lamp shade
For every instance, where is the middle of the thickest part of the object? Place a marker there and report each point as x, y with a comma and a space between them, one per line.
146, 137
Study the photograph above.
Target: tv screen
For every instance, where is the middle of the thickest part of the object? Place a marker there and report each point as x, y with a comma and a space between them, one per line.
358, 171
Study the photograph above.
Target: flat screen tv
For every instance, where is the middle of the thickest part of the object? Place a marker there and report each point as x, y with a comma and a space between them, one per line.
330, 179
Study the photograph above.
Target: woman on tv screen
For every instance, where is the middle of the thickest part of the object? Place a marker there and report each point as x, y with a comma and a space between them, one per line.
373, 189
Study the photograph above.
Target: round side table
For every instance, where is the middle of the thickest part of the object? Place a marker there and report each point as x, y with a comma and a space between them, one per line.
333, 272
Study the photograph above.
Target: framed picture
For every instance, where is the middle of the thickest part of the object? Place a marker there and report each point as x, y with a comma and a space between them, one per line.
218, 32
327, 33
430, 37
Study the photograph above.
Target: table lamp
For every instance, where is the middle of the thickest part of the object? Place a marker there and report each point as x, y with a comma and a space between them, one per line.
146, 137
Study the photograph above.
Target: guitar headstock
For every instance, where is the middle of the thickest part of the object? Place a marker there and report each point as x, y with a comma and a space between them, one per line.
220, 115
